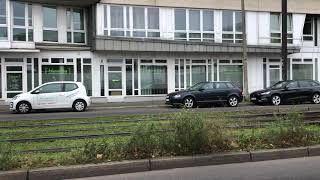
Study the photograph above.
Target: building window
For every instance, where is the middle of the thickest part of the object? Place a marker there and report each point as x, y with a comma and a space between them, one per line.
153, 79
231, 27
153, 27
51, 73
117, 21
276, 28
50, 30
190, 72
302, 69
308, 28
87, 75
76, 26
22, 29
194, 25
131, 21
3, 20
231, 71
180, 24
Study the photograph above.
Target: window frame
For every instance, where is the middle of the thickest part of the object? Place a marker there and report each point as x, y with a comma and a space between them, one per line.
278, 37
27, 27
5, 25
311, 23
50, 28
234, 31
188, 31
70, 25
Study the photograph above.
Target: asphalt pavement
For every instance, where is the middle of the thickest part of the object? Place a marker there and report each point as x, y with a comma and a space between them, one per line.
123, 109
288, 169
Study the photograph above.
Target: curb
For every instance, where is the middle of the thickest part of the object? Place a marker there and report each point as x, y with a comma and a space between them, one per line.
91, 170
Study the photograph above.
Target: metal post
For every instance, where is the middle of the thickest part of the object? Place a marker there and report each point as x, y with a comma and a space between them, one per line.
244, 50
284, 50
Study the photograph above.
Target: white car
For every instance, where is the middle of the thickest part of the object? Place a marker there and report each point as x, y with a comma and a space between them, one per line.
53, 95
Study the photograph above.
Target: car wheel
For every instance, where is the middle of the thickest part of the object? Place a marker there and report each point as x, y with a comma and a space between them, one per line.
189, 102
276, 100
79, 106
316, 98
233, 101
23, 107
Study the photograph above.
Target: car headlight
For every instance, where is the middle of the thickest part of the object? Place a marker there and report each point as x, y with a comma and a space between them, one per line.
177, 96
266, 93
15, 97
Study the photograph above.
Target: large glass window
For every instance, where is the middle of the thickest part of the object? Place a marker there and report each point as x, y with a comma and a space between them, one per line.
22, 22
194, 25
3, 20
117, 21
76, 26
180, 24
153, 22
50, 30
231, 27
302, 71
153, 80
275, 26
52, 73
232, 73
87, 76
308, 28
208, 25
138, 22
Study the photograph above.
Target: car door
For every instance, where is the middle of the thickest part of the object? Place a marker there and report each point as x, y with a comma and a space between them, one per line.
47, 96
291, 91
71, 90
305, 90
221, 91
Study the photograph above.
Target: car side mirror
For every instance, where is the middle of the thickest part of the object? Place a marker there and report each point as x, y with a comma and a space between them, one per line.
36, 91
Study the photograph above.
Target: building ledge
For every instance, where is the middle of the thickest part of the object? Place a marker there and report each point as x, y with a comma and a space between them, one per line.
20, 50
81, 3
62, 47
103, 43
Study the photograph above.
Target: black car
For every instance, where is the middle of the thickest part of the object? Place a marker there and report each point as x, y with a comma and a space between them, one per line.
206, 92
288, 92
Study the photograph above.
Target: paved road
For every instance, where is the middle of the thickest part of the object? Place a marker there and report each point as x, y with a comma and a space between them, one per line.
101, 110
291, 169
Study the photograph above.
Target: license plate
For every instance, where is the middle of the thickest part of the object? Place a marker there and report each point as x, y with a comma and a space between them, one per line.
253, 98
11, 105
167, 100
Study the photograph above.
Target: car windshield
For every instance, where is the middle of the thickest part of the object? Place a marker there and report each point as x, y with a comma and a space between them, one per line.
196, 86
278, 85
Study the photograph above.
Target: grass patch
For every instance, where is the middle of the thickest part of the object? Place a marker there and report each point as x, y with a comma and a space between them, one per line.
183, 133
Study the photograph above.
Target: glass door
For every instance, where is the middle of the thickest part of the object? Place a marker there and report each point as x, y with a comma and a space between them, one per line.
14, 80
274, 74
115, 81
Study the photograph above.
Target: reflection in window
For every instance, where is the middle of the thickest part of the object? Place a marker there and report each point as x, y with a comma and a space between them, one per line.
50, 31
232, 73
76, 26
51, 73
302, 71
22, 30
275, 26
308, 28
153, 80
231, 26
3, 20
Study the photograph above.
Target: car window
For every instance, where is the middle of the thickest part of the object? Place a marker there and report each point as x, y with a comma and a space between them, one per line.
196, 86
207, 86
293, 84
70, 87
314, 83
278, 85
230, 85
305, 84
221, 86
51, 88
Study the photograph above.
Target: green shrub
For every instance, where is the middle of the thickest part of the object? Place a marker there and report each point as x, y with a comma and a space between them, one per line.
8, 160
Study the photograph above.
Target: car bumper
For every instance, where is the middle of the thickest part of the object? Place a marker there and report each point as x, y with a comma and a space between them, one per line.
259, 99
172, 101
